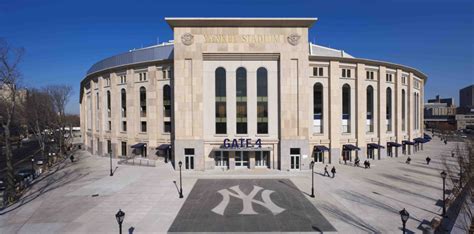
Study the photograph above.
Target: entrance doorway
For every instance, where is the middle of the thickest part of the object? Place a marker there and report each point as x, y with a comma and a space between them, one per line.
189, 159
221, 159
262, 159
370, 153
242, 159
295, 158
318, 157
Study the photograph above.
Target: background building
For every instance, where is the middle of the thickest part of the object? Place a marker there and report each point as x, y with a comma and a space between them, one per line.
440, 113
465, 116
249, 93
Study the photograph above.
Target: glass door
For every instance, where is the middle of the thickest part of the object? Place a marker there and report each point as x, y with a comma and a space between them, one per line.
241, 159
319, 157
221, 158
262, 158
295, 158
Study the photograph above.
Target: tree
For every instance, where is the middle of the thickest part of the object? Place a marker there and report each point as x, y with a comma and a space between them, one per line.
10, 75
60, 95
40, 116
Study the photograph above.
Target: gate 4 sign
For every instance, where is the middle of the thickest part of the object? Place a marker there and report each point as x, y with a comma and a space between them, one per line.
247, 201
242, 143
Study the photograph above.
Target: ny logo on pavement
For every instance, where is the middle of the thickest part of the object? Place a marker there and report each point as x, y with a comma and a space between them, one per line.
247, 200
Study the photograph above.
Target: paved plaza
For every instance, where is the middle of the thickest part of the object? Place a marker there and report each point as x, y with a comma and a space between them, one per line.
81, 197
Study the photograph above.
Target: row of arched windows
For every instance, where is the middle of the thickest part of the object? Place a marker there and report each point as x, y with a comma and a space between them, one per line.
370, 112
241, 101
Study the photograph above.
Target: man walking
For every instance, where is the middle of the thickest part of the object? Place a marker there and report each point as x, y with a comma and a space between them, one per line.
428, 159
326, 171
333, 171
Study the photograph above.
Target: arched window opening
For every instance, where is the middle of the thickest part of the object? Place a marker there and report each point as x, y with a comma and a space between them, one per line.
370, 109
221, 104
318, 108
241, 95
108, 104
403, 110
388, 107
142, 102
124, 102
166, 108
346, 108
262, 101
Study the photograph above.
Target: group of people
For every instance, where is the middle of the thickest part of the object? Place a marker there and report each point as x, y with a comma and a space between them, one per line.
357, 163
333, 171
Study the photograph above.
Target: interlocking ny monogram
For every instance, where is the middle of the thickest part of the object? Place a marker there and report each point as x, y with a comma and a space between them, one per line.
247, 200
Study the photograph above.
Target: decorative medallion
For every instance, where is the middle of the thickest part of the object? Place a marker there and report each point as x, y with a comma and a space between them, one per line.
293, 39
187, 39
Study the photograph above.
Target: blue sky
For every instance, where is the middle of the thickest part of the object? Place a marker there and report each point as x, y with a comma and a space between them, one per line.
64, 38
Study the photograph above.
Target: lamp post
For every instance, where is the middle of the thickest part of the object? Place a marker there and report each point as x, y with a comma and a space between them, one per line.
120, 216
443, 175
180, 181
312, 178
405, 216
111, 172
32, 163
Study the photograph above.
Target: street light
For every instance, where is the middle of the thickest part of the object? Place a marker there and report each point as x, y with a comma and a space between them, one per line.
405, 216
312, 178
111, 172
180, 181
443, 175
32, 163
120, 216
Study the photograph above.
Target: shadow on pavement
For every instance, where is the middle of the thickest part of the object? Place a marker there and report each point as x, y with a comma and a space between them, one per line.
294, 187
349, 218
398, 189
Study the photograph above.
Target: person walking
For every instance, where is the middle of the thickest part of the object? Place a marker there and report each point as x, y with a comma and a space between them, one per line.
452, 154
333, 171
428, 159
368, 164
408, 160
71, 158
365, 164
326, 171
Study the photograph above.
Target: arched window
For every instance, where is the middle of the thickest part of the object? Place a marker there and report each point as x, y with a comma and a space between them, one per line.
124, 102
221, 105
388, 106
262, 101
167, 108
403, 110
241, 93
346, 108
318, 108
415, 108
142, 102
108, 103
370, 109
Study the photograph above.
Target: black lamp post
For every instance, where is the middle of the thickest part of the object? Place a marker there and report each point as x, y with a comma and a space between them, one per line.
180, 181
120, 216
405, 216
32, 163
312, 178
111, 172
443, 175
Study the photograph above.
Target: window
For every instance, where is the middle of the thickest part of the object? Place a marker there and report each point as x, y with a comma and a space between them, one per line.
318, 108
346, 108
262, 101
124, 126
404, 79
109, 126
97, 105
346, 73
143, 126
109, 147
241, 95
403, 109
189, 158
167, 127
318, 71
370, 109
221, 104
107, 81
124, 148
123, 79
108, 104
163, 74
389, 77
142, 102
142, 76
89, 112
369, 75
166, 101
221, 158
389, 109
124, 102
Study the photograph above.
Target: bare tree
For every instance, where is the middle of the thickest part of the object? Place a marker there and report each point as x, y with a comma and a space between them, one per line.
60, 95
39, 116
9, 83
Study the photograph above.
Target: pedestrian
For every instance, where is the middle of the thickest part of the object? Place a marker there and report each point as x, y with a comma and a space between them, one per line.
428, 159
356, 162
452, 154
333, 171
326, 171
368, 164
408, 160
445, 142
365, 164
71, 158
